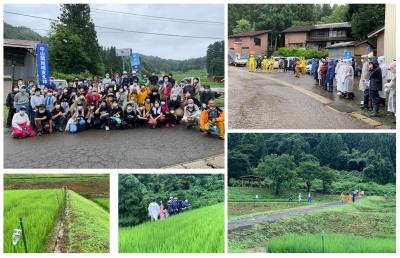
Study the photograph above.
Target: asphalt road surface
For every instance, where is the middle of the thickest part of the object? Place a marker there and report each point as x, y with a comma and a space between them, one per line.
248, 222
255, 102
131, 148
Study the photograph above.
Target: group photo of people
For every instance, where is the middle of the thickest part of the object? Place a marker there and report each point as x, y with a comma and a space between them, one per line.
113, 102
174, 206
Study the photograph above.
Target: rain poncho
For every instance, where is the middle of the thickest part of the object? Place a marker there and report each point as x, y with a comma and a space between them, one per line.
331, 72
154, 210
382, 65
339, 76
391, 87
348, 76
364, 74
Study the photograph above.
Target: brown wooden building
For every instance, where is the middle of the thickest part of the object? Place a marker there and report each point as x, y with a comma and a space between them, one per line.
254, 42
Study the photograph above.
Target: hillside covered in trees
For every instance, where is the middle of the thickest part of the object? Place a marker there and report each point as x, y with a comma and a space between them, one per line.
315, 162
136, 192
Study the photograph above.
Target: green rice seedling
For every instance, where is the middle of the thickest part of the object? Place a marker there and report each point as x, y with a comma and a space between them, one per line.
196, 231
332, 243
88, 226
103, 202
39, 210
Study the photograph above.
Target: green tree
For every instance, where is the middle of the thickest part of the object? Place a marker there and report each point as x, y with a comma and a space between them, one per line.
339, 14
242, 25
238, 164
327, 176
366, 18
309, 171
280, 169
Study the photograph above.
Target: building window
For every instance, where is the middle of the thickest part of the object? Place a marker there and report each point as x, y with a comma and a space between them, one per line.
238, 40
257, 41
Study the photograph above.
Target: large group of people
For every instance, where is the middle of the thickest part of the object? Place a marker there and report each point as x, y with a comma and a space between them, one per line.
377, 91
115, 102
174, 206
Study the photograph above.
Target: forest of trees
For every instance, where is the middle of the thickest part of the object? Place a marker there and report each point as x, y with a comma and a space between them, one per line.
329, 162
74, 49
363, 18
136, 192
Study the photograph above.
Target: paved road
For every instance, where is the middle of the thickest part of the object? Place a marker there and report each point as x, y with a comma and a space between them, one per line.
256, 102
131, 148
248, 222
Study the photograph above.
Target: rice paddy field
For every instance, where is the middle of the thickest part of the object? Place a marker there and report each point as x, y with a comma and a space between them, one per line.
196, 231
366, 226
39, 200
39, 210
88, 226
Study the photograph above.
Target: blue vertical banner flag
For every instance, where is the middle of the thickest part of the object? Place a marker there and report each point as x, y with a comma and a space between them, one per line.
135, 61
42, 60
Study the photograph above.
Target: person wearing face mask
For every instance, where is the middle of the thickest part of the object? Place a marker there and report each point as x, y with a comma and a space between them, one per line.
102, 116
49, 99
165, 89
176, 91
36, 100
142, 116
191, 114
21, 99
59, 117
156, 115
148, 105
134, 78
10, 105
81, 100
142, 94
212, 117
73, 124
170, 119
117, 78
64, 99
93, 98
189, 88
153, 79
197, 86
80, 113
90, 116
43, 120
154, 96
130, 116
206, 95
384, 71
122, 97
175, 104
107, 79
133, 96
30, 86
116, 115
21, 127
375, 85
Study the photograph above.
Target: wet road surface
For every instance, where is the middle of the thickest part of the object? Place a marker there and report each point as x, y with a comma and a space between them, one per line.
130, 148
255, 102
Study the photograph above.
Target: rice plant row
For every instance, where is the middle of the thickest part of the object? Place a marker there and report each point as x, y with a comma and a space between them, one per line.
196, 231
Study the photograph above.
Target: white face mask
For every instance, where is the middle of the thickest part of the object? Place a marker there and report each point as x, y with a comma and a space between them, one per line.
129, 109
115, 105
141, 108
157, 105
57, 106
163, 103
191, 105
16, 89
37, 93
22, 112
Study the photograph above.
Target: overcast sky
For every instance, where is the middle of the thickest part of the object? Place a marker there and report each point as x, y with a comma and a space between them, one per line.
162, 46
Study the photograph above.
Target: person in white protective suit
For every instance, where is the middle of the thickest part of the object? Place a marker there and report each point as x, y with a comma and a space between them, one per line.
348, 79
154, 210
391, 88
339, 77
319, 72
364, 74
382, 65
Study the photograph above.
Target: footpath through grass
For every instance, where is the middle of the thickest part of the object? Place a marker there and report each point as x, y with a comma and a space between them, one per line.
196, 231
39, 210
369, 218
88, 226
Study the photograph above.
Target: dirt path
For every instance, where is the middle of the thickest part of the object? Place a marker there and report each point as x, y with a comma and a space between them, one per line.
248, 222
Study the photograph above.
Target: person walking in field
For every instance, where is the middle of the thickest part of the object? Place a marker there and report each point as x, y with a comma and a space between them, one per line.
154, 210
162, 211
299, 198
349, 198
309, 199
342, 197
353, 196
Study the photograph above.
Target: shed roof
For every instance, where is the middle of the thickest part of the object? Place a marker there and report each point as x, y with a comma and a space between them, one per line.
376, 31
349, 44
20, 43
318, 27
249, 34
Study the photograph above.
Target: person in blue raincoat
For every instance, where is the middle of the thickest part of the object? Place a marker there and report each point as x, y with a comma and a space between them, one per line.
314, 69
330, 75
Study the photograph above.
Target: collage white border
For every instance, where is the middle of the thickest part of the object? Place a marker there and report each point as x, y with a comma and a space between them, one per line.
114, 172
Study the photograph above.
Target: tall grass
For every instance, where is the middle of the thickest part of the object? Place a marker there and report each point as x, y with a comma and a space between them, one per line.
39, 210
88, 226
196, 231
333, 243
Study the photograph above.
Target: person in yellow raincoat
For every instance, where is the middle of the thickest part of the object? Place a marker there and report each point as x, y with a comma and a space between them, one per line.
342, 197
303, 66
212, 116
252, 64
349, 198
298, 67
265, 64
271, 64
